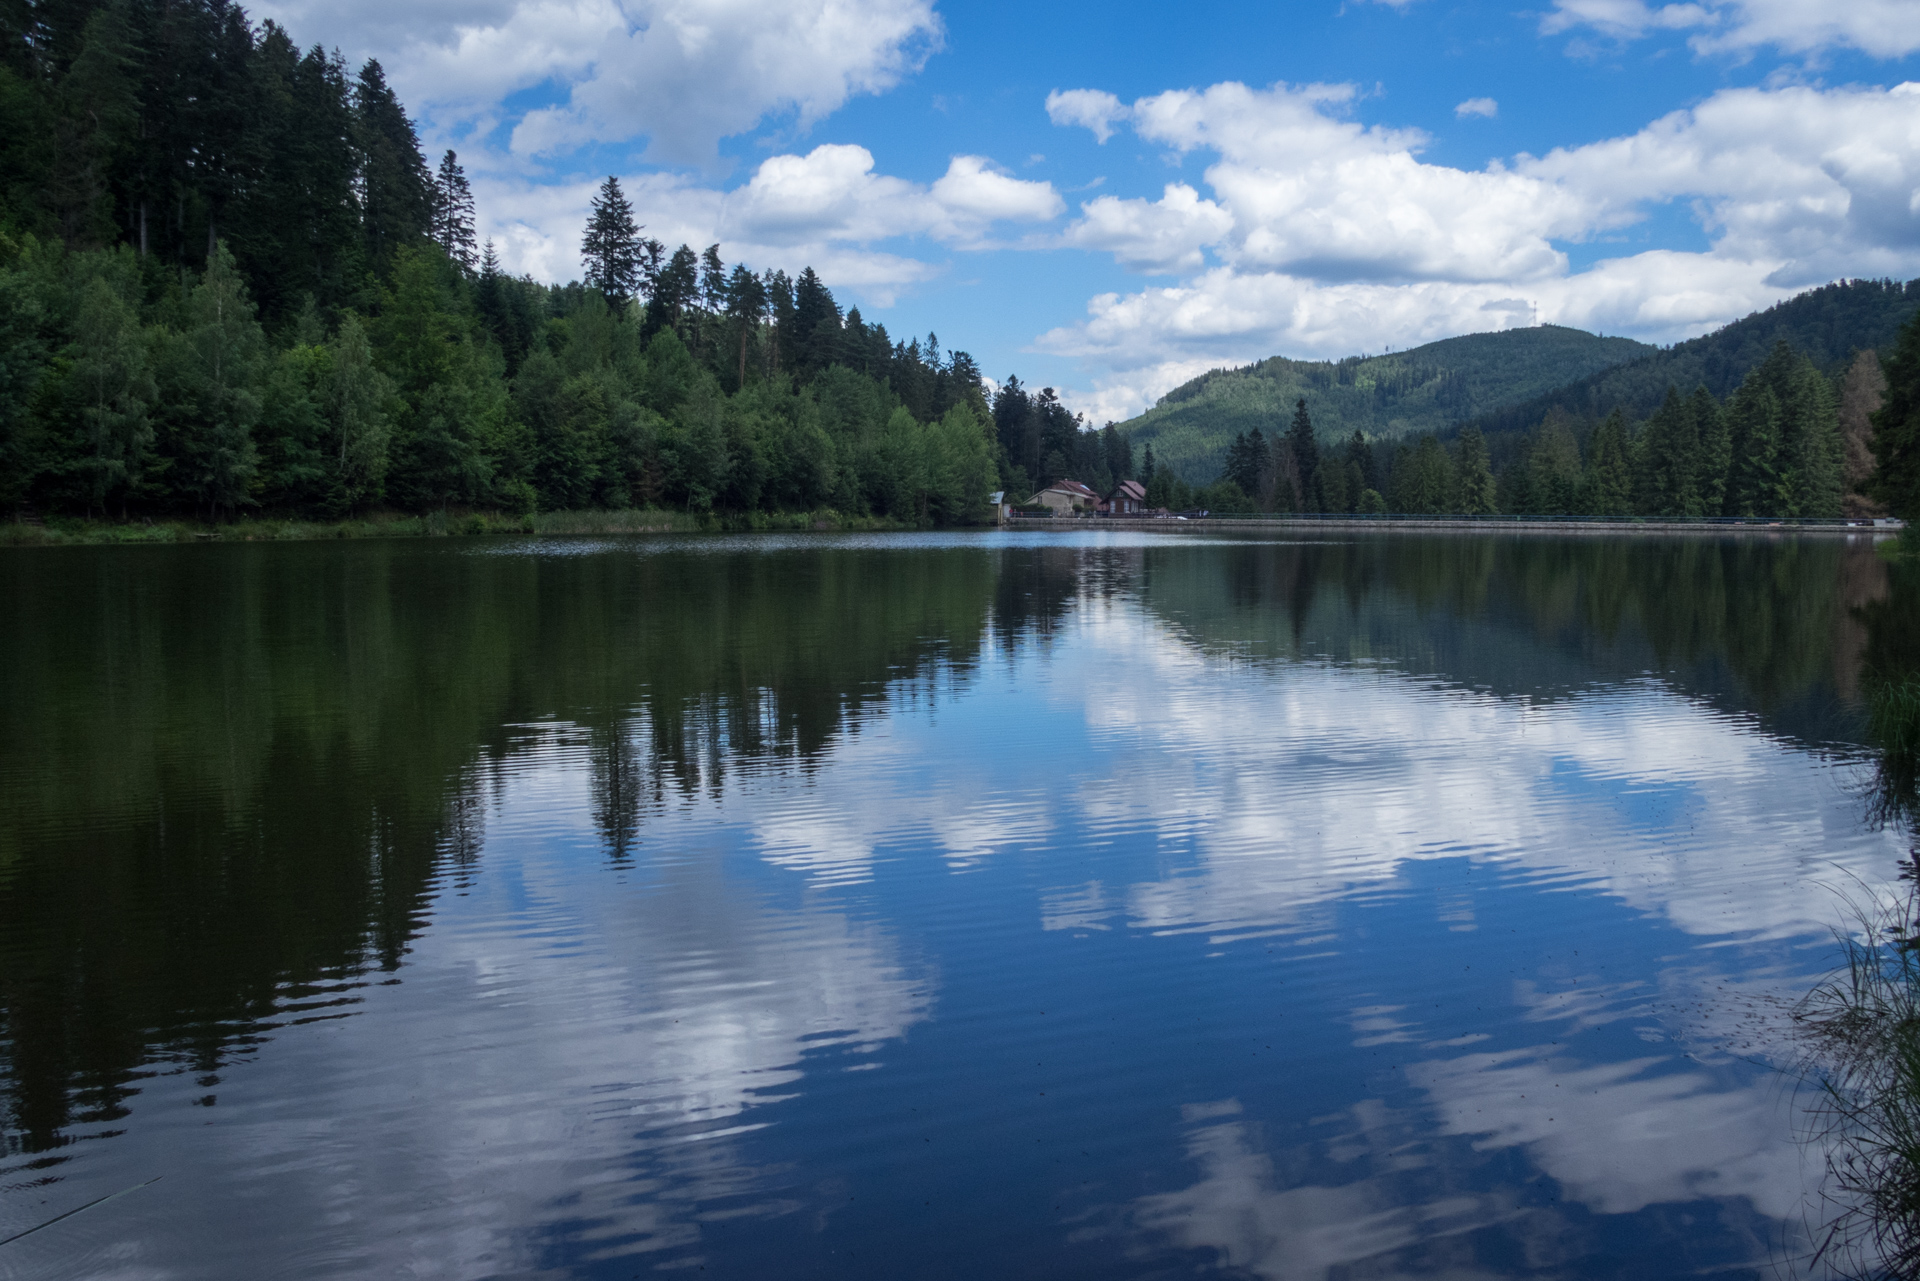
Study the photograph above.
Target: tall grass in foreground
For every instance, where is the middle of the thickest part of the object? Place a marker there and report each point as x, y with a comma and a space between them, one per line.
1860, 1034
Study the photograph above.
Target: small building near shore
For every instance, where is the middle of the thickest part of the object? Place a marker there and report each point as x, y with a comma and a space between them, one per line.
1065, 498
1129, 498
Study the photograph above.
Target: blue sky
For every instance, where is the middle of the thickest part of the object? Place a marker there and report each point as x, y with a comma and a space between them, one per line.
1111, 198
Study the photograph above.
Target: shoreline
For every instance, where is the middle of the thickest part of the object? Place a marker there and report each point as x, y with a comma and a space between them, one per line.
84, 533
99, 533
1459, 524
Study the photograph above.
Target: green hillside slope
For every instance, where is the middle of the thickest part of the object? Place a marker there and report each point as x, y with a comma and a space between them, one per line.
1828, 324
1405, 393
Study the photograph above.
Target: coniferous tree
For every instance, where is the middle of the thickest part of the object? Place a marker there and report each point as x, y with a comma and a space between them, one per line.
1861, 392
1810, 439
1304, 452
1609, 485
746, 301
1473, 475
452, 222
610, 249
1755, 485
1715, 452
1896, 428
1554, 463
1118, 450
1670, 460
395, 189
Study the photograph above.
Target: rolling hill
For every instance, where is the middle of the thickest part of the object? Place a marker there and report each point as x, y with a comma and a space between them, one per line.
1403, 393
1506, 382
1830, 324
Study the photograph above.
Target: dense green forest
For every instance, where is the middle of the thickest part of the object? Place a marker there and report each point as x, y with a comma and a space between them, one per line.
1403, 393
231, 283
1783, 417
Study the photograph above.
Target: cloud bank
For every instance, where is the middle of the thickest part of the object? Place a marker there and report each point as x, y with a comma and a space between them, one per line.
1321, 236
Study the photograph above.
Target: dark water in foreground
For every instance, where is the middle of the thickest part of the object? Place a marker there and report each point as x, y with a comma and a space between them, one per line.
988, 906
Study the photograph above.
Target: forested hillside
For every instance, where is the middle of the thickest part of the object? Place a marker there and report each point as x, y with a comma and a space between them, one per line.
1386, 397
1829, 325
230, 282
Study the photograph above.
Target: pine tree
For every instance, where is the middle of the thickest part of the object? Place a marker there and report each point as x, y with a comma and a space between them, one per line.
1896, 428
1754, 485
396, 191
1810, 440
1669, 460
1473, 476
1861, 393
1609, 485
610, 249
746, 302
452, 222
1305, 454
1715, 453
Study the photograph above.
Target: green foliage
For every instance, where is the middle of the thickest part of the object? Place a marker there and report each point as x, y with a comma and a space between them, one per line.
1390, 397
1828, 325
1896, 428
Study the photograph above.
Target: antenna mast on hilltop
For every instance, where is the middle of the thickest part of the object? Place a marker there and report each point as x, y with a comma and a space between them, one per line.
1535, 324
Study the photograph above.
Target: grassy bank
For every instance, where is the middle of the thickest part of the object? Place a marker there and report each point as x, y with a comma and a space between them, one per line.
439, 524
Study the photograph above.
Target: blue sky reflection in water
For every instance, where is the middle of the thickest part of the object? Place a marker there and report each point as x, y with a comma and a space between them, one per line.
1134, 907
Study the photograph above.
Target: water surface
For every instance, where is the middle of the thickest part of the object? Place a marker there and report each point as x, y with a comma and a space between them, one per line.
1017, 905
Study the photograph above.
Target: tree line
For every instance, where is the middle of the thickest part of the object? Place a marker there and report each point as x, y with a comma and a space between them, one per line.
1787, 442
230, 282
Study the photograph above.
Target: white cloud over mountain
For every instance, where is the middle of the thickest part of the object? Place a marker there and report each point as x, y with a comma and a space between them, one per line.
1329, 237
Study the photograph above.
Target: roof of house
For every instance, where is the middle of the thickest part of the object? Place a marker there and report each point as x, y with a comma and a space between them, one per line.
1130, 489
1072, 488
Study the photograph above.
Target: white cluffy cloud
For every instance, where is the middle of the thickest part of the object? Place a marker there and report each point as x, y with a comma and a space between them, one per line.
1882, 28
824, 209
681, 73
1477, 107
1322, 236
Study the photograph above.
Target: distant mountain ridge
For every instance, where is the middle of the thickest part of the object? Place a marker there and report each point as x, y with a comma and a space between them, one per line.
1506, 382
1829, 325
1402, 393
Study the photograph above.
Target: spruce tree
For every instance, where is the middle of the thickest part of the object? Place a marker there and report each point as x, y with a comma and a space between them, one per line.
1714, 458
1896, 429
1669, 460
1305, 453
452, 223
1754, 485
610, 249
396, 190
1473, 476
1609, 476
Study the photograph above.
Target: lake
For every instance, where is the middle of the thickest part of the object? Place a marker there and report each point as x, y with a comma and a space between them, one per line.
1095, 905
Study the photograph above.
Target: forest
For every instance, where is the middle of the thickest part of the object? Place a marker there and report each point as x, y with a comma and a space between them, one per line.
231, 284
1787, 442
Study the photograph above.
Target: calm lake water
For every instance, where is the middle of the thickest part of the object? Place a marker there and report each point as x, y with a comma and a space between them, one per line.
993, 905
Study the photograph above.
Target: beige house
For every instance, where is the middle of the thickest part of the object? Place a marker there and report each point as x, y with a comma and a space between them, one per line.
1065, 498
